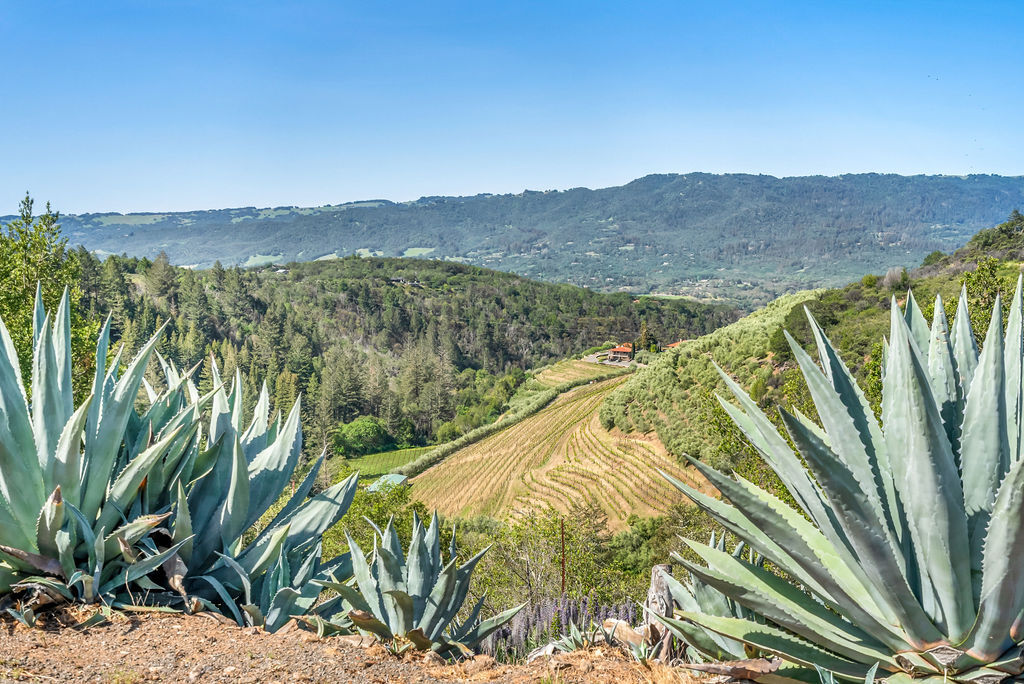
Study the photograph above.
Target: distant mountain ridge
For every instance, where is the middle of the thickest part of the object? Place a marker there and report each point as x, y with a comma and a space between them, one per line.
743, 237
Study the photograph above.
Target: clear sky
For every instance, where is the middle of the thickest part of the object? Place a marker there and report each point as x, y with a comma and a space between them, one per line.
150, 105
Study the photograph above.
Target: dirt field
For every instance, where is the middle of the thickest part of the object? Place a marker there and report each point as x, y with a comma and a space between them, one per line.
177, 648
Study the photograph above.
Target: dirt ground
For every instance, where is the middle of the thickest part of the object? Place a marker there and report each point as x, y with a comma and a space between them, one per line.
134, 648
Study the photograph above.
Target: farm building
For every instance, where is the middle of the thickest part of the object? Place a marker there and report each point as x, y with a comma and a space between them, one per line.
621, 353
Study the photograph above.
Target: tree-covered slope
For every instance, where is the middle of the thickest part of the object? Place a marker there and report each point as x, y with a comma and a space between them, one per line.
747, 238
426, 350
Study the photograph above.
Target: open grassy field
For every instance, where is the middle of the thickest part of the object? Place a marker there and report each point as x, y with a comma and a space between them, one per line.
558, 457
375, 465
570, 370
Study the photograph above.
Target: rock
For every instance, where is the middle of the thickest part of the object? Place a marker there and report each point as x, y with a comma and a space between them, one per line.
623, 632
355, 640
540, 652
432, 658
480, 663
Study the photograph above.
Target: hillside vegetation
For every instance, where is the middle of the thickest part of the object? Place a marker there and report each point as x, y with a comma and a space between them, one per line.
419, 351
742, 237
674, 397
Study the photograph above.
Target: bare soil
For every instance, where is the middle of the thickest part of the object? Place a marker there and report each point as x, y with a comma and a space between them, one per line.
136, 648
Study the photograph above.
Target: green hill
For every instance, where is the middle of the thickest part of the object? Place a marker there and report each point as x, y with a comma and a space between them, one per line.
740, 237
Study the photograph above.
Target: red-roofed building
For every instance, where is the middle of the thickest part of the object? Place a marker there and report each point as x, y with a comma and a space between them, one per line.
674, 344
621, 353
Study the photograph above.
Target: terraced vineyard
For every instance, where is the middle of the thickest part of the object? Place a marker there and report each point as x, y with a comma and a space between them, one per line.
556, 458
570, 370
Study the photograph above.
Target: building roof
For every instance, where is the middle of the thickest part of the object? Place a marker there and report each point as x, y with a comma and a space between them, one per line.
622, 348
389, 480
674, 344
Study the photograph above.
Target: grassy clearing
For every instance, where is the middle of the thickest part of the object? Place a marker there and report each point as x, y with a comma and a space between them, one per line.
375, 465
557, 457
570, 370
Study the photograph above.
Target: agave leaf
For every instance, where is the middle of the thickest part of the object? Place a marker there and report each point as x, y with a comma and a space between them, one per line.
105, 432
965, 347
225, 597
851, 438
1002, 587
49, 410
21, 477
782, 603
864, 421
916, 324
125, 487
1013, 350
489, 626
270, 470
366, 622
131, 532
254, 439
182, 525
316, 515
234, 511
929, 484
809, 556
296, 499
401, 607
766, 439
775, 641
260, 555
418, 576
281, 607
67, 470
350, 595
942, 375
35, 560
874, 549
985, 450
51, 519
433, 620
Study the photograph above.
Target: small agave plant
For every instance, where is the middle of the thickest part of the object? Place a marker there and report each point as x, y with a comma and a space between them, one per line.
414, 601
905, 547
106, 504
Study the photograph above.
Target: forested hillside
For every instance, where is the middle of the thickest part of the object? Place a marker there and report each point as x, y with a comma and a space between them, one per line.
674, 397
394, 352
742, 237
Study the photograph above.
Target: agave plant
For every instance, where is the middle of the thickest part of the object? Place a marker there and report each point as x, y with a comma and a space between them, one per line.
697, 596
413, 601
104, 503
244, 473
905, 543
71, 480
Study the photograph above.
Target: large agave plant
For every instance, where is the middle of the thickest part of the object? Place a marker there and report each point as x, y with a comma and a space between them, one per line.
105, 503
905, 546
413, 601
694, 595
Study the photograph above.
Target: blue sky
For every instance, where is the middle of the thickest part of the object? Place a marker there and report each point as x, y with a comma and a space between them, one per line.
187, 105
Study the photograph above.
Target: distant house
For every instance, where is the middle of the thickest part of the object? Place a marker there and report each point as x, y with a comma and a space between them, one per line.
674, 344
390, 480
622, 353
